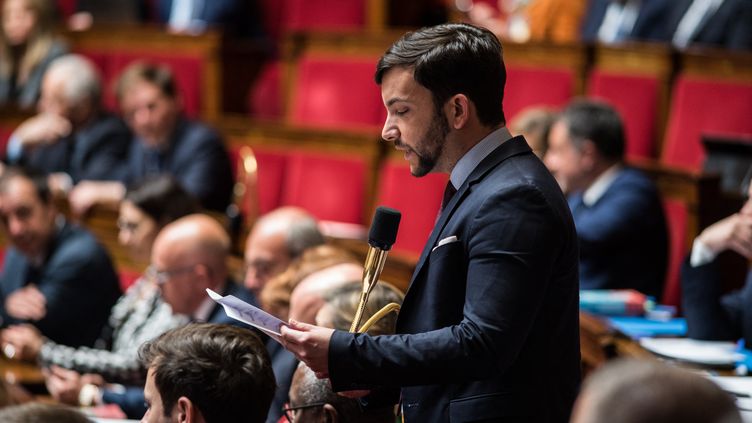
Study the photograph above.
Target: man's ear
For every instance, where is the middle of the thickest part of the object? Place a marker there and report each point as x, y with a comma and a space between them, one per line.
589, 155
458, 111
185, 412
330, 414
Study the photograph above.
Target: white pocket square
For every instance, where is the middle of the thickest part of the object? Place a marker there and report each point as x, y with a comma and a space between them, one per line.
445, 241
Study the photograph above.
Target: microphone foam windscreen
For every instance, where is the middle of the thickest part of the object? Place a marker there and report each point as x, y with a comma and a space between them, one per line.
384, 227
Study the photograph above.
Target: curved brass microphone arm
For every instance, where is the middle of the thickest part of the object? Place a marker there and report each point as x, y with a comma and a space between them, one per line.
374, 264
379, 314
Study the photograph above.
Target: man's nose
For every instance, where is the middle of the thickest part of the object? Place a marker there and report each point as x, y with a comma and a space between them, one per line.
390, 132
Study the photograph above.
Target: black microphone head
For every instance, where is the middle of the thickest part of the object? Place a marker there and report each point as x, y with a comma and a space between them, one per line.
384, 227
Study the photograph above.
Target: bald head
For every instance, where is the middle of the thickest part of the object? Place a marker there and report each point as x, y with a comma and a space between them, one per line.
71, 88
308, 297
191, 253
276, 239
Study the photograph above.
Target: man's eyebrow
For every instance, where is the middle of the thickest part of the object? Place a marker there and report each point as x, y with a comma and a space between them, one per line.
394, 100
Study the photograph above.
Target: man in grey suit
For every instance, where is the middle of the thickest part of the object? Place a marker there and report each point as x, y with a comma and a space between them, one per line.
488, 330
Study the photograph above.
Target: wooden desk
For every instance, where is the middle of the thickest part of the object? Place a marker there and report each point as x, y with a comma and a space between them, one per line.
20, 373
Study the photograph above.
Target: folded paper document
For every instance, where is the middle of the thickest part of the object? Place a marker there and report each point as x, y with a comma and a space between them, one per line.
240, 310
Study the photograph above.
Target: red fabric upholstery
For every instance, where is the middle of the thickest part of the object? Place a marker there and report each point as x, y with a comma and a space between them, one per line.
271, 177
329, 187
333, 92
127, 278
676, 217
5, 133
418, 199
536, 87
704, 107
636, 100
265, 97
324, 14
187, 71
66, 7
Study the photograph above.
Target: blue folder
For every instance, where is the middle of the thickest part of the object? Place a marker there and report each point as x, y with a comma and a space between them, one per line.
640, 327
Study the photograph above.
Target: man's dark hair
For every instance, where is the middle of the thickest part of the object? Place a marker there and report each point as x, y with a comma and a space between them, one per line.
224, 370
38, 179
159, 75
453, 59
162, 198
598, 122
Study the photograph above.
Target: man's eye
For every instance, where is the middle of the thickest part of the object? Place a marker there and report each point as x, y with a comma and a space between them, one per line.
401, 112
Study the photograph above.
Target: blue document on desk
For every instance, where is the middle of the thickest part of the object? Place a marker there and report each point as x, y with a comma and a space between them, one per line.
640, 327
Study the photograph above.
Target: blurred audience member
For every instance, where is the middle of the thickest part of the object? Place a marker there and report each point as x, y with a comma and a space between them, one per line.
341, 304
72, 136
138, 316
534, 124
713, 23
277, 238
308, 296
617, 209
313, 401
234, 17
27, 47
630, 391
207, 373
520, 21
37, 412
710, 314
166, 143
615, 21
55, 275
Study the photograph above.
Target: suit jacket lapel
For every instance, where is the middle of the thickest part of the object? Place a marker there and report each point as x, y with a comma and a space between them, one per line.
512, 147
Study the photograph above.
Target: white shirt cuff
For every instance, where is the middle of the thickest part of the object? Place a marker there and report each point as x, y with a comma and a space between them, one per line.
701, 254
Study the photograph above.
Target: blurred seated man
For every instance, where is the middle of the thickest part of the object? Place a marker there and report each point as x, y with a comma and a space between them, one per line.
341, 304
72, 137
55, 275
165, 142
534, 123
309, 295
313, 401
710, 314
207, 373
630, 391
617, 209
77, 375
38, 412
277, 238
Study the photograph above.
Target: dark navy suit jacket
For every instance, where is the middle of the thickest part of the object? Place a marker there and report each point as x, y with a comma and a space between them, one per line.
649, 25
489, 325
729, 27
623, 236
196, 158
97, 152
78, 281
711, 315
131, 399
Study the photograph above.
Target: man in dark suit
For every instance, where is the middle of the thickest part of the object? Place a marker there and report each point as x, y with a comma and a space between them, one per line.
55, 275
725, 24
489, 324
613, 21
166, 143
72, 137
234, 17
617, 209
710, 314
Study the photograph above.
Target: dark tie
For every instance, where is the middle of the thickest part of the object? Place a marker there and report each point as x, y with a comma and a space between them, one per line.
449, 191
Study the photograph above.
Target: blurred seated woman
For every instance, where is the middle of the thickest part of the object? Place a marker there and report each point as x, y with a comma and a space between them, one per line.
27, 47
341, 304
138, 316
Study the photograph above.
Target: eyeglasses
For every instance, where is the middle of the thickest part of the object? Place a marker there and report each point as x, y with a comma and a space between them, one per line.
290, 412
160, 277
128, 226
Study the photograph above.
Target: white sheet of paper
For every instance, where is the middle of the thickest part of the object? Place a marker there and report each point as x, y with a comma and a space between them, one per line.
691, 350
240, 310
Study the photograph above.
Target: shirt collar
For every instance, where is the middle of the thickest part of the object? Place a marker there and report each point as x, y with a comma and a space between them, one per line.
475, 155
601, 185
204, 310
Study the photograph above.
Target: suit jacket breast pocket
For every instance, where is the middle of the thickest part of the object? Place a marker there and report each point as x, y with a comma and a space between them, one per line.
445, 287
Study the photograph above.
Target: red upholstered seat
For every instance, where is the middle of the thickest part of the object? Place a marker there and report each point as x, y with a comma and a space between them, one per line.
5, 133
127, 278
336, 92
527, 86
271, 177
324, 14
330, 187
265, 96
636, 99
418, 199
700, 107
187, 71
66, 7
676, 218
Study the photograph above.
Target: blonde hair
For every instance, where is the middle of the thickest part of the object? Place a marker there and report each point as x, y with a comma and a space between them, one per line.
37, 46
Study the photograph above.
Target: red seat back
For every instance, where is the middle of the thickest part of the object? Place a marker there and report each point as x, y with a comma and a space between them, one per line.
636, 99
333, 92
418, 199
527, 86
676, 218
704, 107
265, 96
329, 187
127, 278
324, 14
